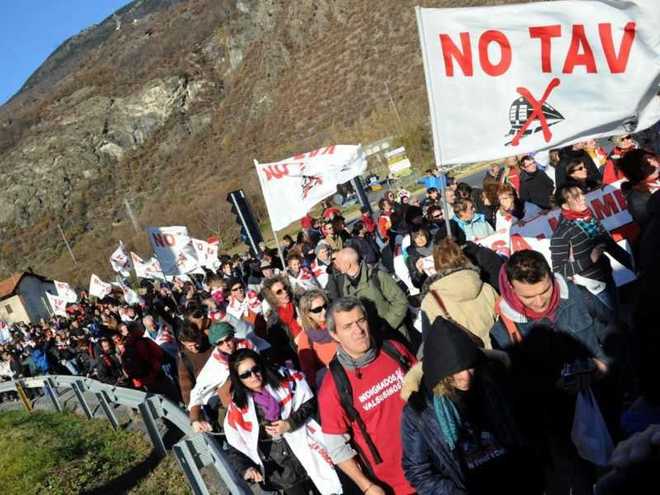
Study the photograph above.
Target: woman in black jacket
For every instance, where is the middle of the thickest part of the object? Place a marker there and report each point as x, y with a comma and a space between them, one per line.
421, 248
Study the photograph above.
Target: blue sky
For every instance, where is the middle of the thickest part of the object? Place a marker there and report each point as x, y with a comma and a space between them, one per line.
30, 30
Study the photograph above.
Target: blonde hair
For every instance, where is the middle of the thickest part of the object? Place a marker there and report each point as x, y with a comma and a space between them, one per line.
305, 305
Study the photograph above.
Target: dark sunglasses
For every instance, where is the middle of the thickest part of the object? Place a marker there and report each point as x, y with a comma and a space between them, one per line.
248, 373
318, 309
237, 288
581, 167
279, 292
626, 137
436, 217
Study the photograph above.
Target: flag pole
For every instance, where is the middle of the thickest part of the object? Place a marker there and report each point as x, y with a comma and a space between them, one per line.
434, 124
277, 241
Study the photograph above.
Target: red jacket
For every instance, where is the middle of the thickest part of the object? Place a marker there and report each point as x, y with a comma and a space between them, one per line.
141, 360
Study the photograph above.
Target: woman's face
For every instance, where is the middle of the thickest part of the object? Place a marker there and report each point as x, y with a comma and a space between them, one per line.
506, 201
420, 240
250, 374
280, 293
463, 379
317, 311
579, 172
238, 292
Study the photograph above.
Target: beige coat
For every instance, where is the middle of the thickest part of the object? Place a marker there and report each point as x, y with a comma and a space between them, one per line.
468, 300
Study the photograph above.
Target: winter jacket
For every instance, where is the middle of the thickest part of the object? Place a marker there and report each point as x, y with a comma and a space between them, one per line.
416, 277
468, 300
636, 201
384, 300
488, 262
477, 228
537, 188
569, 155
580, 315
366, 247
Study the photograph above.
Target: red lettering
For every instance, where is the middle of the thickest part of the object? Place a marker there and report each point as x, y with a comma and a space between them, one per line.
606, 208
160, 240
553, 223
518, 243
451, 52
545, 34
276, 171
312, 154
621, 199
505, 53
616, 63
329, 150
580, 52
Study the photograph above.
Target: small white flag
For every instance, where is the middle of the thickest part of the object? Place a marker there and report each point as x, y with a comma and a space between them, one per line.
98, 287
57, 303
65, 291
120, 261
147, 269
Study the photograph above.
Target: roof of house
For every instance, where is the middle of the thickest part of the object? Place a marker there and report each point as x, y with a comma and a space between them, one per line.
9, 285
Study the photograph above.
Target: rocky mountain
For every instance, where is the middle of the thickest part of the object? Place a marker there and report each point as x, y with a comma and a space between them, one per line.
153, 115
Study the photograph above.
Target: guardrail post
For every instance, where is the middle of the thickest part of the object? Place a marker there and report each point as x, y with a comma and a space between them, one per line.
235, 483
51, 392
25, 400
78, 389
190, 464
107, 409
150, 415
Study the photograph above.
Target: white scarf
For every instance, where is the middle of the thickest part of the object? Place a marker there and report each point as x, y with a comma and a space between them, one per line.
241, 427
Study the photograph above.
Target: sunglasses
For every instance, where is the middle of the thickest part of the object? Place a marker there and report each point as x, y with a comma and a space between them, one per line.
627, 137
279, 292
436, 217
224, 341
237, 288
318, 309
255, 370
581, 167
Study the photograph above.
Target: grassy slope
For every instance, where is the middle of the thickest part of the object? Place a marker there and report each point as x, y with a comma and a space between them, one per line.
64, 454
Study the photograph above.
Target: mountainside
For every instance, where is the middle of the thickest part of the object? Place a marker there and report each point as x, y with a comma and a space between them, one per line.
157, 112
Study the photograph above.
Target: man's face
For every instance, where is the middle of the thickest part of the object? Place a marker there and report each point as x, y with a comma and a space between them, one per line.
535, 296
352, 332
294, 265
324, 254
450, 194
227, 345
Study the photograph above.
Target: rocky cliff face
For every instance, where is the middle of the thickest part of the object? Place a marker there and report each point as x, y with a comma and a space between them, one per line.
157, 112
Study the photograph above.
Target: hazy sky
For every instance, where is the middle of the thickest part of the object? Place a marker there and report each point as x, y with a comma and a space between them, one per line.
30, 30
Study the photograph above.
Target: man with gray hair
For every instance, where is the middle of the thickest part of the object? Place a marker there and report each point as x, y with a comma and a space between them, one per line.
385, 302
360, 402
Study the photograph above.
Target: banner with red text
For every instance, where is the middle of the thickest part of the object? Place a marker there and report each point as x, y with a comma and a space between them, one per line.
607, 204
293, 186
65, 291
147, 269
119, 261
173, 249
98, 288
511, 79
57, 304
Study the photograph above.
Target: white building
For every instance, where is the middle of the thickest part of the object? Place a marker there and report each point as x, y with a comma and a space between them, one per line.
23, 298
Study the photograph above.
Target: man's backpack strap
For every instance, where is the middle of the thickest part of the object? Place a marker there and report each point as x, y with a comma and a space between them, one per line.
394, 353
345, 392
509, 324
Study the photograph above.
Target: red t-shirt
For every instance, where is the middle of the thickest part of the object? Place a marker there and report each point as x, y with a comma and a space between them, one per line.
377, 399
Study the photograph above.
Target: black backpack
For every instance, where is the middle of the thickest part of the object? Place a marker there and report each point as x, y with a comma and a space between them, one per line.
345, 392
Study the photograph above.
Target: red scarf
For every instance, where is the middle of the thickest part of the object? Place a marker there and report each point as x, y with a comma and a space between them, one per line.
577, 215
287, 316
510, 296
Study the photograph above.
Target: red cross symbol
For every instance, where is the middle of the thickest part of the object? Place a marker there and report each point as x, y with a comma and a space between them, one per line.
537, 111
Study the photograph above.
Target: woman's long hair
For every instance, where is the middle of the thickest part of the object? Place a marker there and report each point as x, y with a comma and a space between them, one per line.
269, 375
268, 292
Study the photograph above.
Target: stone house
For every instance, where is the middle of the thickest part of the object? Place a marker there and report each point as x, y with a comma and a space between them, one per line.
23, 298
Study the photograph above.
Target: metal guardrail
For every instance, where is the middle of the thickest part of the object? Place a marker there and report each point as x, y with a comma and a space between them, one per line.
193, 453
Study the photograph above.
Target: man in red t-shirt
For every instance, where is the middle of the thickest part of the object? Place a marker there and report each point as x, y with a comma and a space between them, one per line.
375, 378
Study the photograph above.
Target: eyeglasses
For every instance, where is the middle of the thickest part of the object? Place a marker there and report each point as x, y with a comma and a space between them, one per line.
318, 309
229, 338
578, 168
279, 292
255, 370
237, 288
626, 138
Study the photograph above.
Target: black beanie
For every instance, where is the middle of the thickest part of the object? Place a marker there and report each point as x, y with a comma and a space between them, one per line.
447, 350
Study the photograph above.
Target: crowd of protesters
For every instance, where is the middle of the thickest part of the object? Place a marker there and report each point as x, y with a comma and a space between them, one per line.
389, 357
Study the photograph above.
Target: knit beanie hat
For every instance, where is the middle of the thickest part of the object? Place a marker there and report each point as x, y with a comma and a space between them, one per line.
220, 331
447, 350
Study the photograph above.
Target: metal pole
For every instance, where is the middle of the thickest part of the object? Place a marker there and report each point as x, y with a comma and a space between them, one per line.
279, 248
361, 194
445, 205
67, 245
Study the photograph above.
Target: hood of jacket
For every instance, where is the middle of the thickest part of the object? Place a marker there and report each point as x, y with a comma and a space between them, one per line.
457, 284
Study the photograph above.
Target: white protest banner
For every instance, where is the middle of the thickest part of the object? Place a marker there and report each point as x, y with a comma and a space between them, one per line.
206, 253
130, 296
147, 269
57, 304
608, 206
98, 288
173, 249
120, 261
65, 291
293, 186
512, 79
500, 242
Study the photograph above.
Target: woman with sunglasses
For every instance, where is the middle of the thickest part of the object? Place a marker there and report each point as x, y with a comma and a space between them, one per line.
272, 437
245, 305
577, 175
316, 348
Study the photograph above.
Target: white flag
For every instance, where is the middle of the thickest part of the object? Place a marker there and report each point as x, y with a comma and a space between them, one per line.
173, 249
293, 186
149, 269
512, 79
98, 287
5, 334
120, 261
58, 304
130, 296
65, 291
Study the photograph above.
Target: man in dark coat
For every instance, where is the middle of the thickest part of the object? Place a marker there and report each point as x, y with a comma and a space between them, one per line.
535, 185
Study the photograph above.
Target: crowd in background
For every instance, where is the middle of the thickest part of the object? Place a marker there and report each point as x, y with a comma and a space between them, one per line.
430, 364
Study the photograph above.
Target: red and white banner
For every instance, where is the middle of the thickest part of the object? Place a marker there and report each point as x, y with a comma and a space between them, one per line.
173, 249
500, 242
293, 186
57, 304
147, 269
207, 254
511, 79
98, 288
65, 291
607, 204
120, 261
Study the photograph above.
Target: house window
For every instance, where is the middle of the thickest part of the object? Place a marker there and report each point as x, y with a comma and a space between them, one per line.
8, 309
